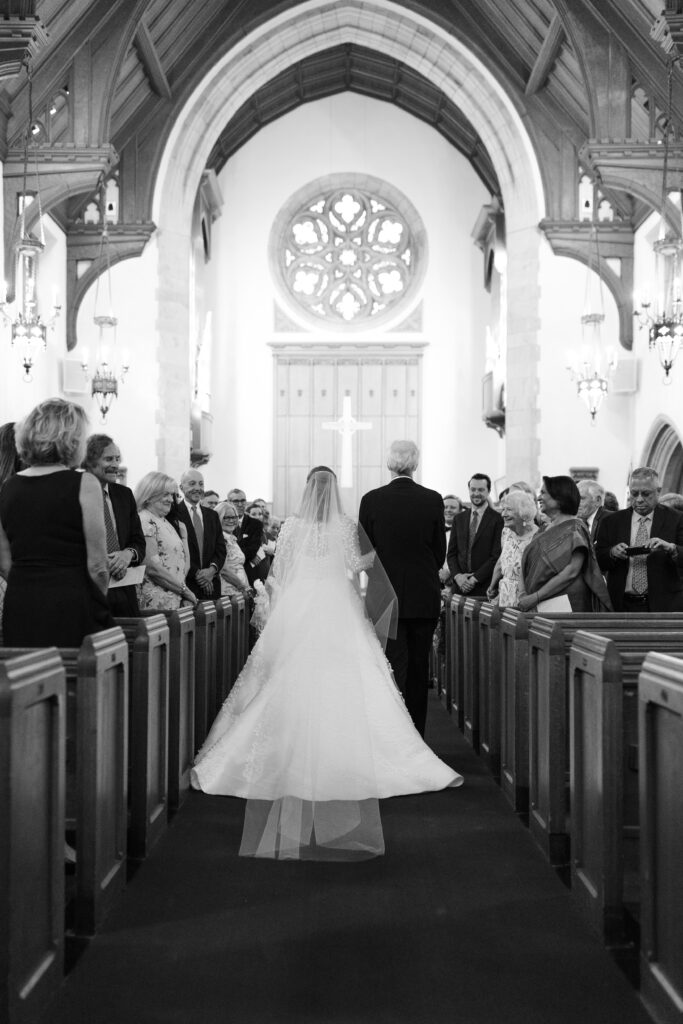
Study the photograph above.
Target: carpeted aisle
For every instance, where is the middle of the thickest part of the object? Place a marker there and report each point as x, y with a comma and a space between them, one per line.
462, 922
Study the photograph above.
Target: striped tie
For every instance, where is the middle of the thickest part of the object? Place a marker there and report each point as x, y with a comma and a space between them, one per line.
639, 571
198, 529
110, 529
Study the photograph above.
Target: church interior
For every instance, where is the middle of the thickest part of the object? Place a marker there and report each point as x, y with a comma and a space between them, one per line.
252, 236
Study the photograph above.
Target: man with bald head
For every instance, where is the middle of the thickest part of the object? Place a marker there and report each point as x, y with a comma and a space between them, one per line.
205, 538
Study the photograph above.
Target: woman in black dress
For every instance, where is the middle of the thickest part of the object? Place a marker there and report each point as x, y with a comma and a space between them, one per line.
52, 535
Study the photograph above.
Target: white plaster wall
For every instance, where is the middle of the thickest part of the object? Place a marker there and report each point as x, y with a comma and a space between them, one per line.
567, 437
356, 134
655, 399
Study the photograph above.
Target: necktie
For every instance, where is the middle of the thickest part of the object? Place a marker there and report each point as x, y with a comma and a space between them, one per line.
198, 529
110, 529
474, 523
639, 573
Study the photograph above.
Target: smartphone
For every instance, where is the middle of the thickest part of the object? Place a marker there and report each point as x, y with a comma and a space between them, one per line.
638, 551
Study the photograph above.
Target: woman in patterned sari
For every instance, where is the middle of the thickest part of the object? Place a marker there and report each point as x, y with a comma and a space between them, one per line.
560, 559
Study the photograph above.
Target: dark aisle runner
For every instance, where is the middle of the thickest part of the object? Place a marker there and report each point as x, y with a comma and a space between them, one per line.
462, 922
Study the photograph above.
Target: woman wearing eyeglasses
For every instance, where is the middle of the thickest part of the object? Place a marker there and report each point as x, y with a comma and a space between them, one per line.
233, 577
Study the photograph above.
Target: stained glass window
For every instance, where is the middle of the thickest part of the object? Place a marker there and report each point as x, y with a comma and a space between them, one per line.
347, 256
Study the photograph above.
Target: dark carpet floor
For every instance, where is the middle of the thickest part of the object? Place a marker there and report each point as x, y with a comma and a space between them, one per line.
461, 922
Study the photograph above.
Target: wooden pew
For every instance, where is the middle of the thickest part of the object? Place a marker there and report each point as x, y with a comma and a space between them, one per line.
490, 654
603, 676
550, 639
454, 658
240, 641
470, 670
181, 695
97, 771
660, 734
206, 619
514, 708
148, 645
32, 798
224, 640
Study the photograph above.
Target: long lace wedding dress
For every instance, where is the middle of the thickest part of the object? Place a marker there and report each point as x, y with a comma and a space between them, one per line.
315, 729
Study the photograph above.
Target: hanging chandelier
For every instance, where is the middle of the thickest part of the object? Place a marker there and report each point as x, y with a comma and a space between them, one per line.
663, 318
109, 371
28, 329
592, 367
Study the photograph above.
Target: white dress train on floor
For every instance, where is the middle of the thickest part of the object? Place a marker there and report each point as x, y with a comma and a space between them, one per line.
315, 730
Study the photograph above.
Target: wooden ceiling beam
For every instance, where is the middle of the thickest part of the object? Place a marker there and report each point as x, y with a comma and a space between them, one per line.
548, 54
149, 58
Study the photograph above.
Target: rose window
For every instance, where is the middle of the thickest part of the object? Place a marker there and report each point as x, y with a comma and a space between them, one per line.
347, 256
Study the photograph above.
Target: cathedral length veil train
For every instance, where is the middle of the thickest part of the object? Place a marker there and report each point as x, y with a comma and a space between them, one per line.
315, 731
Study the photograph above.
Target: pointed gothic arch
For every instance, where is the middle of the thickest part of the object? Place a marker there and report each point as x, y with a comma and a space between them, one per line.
663, 451
422, 44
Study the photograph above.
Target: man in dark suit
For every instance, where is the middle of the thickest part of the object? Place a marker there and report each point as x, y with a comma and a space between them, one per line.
205, 538
591, 507
474, 545
125, 539
405, 524
652, 581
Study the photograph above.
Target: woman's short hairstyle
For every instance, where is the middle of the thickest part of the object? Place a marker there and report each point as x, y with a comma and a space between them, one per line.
226, 506
95, 446
565, 492
522, 485
152, 486
403, 457
251, 505
522, 504
10, 463
52, 432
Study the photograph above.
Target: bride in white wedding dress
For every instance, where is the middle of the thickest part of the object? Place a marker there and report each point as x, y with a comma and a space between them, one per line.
315, 731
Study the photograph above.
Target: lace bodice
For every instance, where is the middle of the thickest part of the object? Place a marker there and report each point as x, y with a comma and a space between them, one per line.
319, 544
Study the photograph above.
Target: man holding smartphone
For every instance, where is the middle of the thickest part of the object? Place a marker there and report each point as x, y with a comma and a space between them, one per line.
640, 550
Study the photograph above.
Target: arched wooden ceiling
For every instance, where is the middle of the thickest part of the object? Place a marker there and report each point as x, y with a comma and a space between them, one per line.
357, 69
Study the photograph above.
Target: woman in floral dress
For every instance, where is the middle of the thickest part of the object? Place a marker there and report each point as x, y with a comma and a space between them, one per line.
166, 558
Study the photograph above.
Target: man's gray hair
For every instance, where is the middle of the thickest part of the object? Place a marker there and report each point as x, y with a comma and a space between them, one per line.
592, 487
403, 457
646, 472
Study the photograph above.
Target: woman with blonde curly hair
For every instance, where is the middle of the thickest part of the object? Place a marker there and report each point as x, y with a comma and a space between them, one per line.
167, 557
52, 534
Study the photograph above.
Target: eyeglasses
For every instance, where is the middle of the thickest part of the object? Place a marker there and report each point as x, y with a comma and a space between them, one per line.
230, 517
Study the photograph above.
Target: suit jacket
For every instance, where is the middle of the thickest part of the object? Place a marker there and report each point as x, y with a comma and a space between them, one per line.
597, 519
123, 600
664, 575
485, 549
249, 536
213, 550
404, 522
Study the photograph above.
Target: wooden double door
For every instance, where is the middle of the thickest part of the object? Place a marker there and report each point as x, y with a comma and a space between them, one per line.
311, 382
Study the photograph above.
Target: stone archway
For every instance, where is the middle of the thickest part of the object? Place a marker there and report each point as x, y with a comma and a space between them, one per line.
411, 38
664, 452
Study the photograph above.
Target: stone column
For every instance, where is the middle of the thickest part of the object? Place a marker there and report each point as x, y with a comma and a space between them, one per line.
173, 354
522, 417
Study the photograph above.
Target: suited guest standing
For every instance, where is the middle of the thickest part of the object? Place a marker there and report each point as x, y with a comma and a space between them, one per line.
405, 524
591, 507
474, 545
125, 539
204, 538
649, 582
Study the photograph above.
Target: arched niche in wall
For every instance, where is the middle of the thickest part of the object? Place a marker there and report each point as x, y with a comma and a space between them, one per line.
664, 452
